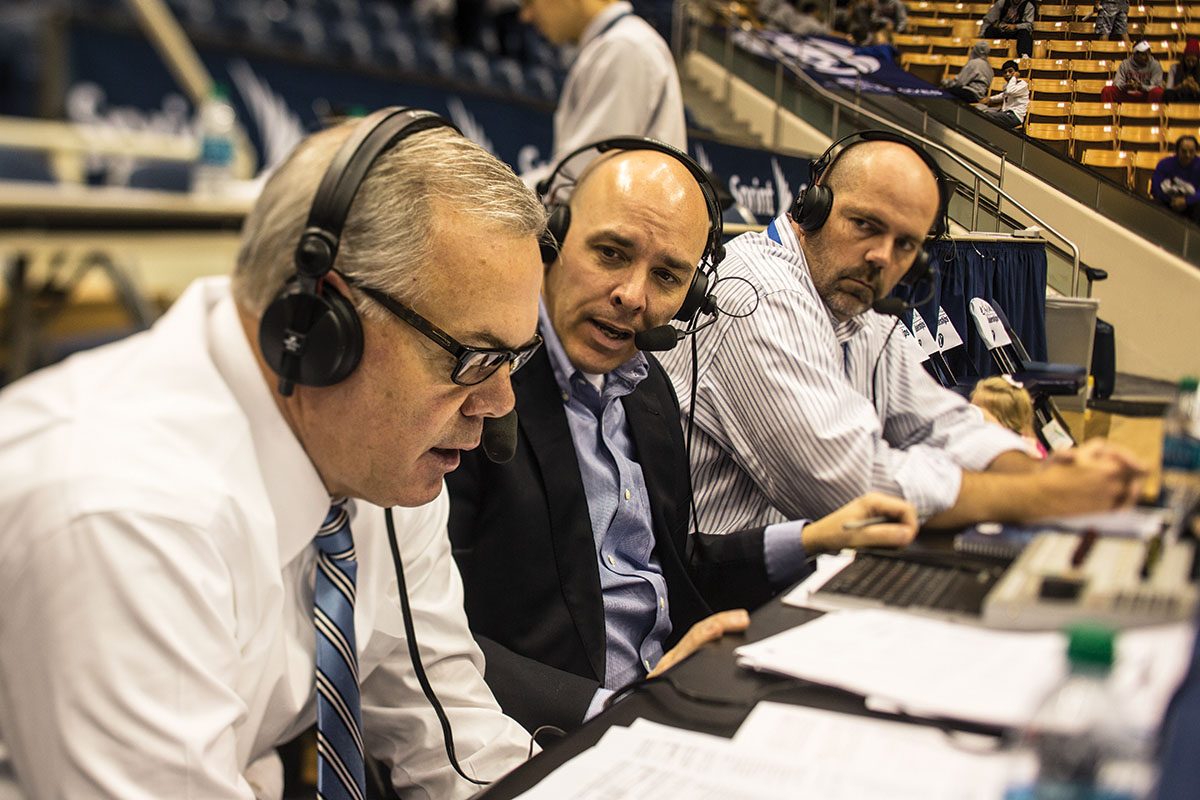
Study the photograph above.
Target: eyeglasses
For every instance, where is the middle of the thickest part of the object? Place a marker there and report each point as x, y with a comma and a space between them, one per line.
473, 365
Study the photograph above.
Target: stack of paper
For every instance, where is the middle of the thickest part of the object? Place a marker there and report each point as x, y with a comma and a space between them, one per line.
780, 752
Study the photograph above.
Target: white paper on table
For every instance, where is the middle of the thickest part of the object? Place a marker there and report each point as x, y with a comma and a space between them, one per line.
865, 758
1133, 523
922, 666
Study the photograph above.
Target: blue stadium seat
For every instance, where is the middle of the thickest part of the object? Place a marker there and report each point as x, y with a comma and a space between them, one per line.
398, 49
507, 73
350, 39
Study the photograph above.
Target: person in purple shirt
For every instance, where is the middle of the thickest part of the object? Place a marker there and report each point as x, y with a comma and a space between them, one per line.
1177, 179
581, 572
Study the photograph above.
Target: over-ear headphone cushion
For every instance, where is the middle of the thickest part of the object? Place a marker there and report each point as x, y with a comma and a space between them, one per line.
330, 335
813, 206
556, 232
920, 269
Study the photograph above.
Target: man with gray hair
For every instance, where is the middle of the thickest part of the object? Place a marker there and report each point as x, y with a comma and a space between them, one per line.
197, 562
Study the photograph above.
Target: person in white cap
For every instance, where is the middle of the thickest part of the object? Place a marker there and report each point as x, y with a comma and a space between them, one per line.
1139, 79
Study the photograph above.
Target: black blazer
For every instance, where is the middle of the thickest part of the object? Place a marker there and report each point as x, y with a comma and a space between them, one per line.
522, 537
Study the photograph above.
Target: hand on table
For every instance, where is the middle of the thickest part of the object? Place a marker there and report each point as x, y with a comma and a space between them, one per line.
706, 630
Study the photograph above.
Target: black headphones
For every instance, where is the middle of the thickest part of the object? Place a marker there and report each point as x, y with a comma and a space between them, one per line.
310, 333
698, 297
815, 202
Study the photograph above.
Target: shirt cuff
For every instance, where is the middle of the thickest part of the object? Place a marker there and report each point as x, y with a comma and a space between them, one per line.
783, 552
598, 700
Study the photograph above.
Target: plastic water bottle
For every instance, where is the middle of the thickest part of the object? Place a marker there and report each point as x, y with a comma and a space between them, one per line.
213, 171
1082, 743
1181, 454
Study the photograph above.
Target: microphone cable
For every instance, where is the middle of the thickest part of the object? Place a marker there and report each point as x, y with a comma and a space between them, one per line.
415, 656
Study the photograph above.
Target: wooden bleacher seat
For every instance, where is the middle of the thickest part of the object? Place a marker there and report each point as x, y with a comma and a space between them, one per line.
954, 64
911, 43
1139, 137
1093, 68
921, 8
1057, 91
1093, 113
966, 28
1068, 48
1082, 30
1192, 28
1138, 12
998, 84
1004, 48
1167, 13
949, 46
1144, 162
1112, 164
1051, 29
1048, 112
1143, 114
929, 68
930, 26
997, 62
953, 10
1055, 69
1108, 49
1056, 137
1171, 31
1082, 12
1179, 115
1173, 132
1160, 48
1065, 13
1092, 136
1088, 90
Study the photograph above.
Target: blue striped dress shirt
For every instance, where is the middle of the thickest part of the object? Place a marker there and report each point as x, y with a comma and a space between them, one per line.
796, 413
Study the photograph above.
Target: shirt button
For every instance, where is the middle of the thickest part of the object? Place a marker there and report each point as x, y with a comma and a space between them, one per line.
566, 397
626, 494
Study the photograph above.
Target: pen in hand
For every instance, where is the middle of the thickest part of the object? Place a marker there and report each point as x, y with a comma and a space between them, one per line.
862, 523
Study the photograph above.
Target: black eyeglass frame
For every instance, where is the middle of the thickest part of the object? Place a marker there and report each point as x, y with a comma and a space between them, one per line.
462, 353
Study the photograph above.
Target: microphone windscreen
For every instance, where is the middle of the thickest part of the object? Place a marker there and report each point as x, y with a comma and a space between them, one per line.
890, 305
500, 437
664, 337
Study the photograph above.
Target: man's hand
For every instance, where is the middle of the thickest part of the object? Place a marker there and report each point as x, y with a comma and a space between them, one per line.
706, 630
1179, 203
1096, 476
830, 533
1134, 85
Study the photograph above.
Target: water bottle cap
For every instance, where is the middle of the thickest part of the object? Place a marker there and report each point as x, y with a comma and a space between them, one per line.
1090, 644
1188, 383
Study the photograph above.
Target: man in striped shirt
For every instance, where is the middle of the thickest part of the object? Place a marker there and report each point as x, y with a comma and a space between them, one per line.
810, 400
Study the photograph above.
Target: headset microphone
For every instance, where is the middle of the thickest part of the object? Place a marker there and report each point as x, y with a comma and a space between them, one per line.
665, 337
891, 305
500, 437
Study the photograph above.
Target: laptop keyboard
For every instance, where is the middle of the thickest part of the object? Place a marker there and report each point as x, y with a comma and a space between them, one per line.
904, 582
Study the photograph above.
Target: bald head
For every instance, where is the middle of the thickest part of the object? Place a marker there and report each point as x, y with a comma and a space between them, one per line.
885, 165
638, 227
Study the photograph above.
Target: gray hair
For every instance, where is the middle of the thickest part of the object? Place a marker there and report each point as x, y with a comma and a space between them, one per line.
386, 242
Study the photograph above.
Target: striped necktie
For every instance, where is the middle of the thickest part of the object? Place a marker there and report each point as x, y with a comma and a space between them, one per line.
340, 772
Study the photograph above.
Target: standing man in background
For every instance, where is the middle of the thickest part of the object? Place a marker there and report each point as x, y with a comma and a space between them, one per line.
622, 82
192, 522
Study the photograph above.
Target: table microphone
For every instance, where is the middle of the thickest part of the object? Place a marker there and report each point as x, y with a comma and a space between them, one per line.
500, 437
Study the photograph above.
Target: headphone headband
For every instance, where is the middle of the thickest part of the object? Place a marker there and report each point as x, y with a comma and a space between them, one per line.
822, 164
376, 134
714, 250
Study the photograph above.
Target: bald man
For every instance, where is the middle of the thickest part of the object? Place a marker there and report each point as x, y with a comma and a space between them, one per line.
814, 398
575, 558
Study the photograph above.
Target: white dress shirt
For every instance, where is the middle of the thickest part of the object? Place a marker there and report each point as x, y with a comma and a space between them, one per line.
797, 414
622, 83
156, 519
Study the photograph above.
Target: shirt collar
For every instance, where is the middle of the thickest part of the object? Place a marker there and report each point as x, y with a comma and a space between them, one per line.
628, 375
602, 21
298, 498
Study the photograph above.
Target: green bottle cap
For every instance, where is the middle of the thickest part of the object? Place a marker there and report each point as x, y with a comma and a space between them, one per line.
1090, 644
1188, 383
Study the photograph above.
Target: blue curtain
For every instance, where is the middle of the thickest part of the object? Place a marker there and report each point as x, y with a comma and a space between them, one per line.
1009, 275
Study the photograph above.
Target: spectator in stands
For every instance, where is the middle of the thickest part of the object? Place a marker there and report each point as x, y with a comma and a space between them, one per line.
891, 14
1139, 79
809, 400
1011, 19
783, 15
974, 80
1013, 99
1183, 82
1176, 179
1111, 17
622, 81
1006, 402
562, 621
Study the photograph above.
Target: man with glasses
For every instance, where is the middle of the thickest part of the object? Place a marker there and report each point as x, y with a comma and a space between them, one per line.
164, 510
577, 567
